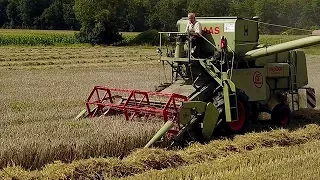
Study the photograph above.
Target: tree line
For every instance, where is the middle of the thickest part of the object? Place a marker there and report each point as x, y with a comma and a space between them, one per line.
101, 20
38, 14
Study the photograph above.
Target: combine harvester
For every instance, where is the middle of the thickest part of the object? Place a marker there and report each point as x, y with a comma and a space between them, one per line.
230, 81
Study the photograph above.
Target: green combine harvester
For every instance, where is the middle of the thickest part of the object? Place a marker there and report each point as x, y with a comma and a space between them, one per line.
221, 85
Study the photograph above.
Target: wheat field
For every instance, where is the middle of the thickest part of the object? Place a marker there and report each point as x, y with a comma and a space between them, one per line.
39, 101
44, 88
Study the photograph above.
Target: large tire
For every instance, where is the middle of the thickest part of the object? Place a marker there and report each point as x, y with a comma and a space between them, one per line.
240, 126
281, 114
254, 112
236, 127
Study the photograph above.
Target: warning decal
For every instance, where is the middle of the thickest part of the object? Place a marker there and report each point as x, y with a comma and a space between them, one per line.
229, 27
258, 79
311, 98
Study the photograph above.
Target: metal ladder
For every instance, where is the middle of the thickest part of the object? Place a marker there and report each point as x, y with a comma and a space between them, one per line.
232, 95
294, 90
233, 106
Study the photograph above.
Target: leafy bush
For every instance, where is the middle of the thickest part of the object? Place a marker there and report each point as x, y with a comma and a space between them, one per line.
150, 37
99, 23
98, 35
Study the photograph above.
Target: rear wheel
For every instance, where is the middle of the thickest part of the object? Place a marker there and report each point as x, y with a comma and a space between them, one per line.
254, 112
281, 114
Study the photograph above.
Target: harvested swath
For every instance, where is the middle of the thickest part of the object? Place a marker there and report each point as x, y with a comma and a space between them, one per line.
17, 172
155, 159
91, 167
71, 57
251, 141
143, 160
307, 116
294, 162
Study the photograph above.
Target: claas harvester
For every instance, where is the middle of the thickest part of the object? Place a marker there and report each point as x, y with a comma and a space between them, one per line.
220, 84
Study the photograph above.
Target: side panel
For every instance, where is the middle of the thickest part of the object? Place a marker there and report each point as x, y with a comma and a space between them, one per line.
210, 120
277, 70
302, 73
247, 36
275, 58
282, 83
252, 82
298, 64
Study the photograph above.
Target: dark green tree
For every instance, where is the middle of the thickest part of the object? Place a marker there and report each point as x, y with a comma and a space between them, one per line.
13, 14
30, 10
268, 11
59, 15
207, 8
99, 18
52, 17
165, 14
136, 16
69, 17
242, 8
3, 13
310, 15
98, 21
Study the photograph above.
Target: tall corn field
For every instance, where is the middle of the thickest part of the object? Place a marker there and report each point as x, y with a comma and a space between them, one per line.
37, 37
25, 37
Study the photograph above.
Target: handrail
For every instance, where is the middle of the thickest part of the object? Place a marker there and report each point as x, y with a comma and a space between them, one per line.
207, 40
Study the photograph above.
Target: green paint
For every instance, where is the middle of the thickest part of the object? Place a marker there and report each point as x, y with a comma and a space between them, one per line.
164, 129
210, 120
278, 48
212, 70
226, 101
185, 111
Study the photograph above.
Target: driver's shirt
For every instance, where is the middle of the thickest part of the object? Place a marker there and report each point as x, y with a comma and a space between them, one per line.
196, 27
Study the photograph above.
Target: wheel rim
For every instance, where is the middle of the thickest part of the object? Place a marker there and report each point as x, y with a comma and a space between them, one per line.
237, 125
284, 117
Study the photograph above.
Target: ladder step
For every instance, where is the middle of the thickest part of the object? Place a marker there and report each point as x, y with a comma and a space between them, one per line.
293, 92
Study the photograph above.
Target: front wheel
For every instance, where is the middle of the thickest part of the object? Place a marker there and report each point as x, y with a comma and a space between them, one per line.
240, 125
